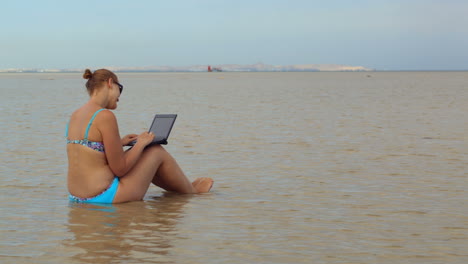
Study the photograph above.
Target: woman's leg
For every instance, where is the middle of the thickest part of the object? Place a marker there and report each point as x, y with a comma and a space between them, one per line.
157, 166
170, 177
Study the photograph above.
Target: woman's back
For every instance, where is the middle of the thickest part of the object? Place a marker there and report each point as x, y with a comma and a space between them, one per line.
88, 171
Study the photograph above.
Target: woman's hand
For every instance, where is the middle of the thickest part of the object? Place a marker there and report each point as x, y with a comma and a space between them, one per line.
129, 138
145, 138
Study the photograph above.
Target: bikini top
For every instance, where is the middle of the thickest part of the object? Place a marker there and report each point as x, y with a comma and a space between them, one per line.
98, 146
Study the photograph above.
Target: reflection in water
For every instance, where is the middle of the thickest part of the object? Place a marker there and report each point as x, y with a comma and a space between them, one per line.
133, 231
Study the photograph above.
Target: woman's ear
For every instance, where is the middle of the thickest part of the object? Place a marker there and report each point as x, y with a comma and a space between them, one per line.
110, 82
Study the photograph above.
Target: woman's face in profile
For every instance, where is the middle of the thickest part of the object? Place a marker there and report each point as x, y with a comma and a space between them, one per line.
114, 95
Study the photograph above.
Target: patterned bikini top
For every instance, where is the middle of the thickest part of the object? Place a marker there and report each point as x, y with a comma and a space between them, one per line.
98, 146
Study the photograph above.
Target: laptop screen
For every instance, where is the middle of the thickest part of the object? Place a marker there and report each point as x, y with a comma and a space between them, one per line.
162, 125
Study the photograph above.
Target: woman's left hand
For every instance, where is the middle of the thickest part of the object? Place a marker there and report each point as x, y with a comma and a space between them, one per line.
129, 138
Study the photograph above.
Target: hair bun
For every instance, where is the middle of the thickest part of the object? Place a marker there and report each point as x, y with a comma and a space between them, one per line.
87, 74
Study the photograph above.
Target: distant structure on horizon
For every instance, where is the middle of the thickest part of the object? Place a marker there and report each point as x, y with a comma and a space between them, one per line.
214, 69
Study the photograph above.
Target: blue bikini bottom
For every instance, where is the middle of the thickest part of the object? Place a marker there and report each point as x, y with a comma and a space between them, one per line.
107, 196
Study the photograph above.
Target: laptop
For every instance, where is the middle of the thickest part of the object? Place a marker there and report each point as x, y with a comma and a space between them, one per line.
161, 128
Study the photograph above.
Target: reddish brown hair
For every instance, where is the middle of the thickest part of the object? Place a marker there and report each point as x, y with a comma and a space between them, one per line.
96, 79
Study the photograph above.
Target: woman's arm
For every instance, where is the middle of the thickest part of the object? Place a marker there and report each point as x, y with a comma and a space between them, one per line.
119, 162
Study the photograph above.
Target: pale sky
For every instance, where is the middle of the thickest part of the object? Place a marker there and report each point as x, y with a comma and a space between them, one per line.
378, 34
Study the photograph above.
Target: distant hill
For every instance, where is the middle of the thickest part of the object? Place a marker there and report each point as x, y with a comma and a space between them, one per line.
259, 67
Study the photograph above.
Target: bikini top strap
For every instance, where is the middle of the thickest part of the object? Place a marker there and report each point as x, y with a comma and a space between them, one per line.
90, 122
66, 129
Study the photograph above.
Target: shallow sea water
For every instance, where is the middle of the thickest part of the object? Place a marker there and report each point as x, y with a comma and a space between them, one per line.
365, 167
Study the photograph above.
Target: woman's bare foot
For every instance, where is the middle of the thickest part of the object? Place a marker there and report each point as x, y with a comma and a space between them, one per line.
203, 184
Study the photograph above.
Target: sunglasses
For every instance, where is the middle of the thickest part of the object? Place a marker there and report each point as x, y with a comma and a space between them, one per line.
120, 87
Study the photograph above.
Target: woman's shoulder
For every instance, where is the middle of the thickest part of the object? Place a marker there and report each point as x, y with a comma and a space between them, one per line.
97, 115
76, 114
105, 116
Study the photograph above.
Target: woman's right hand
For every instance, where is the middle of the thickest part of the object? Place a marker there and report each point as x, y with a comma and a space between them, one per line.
145, 138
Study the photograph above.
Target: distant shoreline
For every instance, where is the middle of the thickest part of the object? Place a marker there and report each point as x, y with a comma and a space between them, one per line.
258, 67
143, 71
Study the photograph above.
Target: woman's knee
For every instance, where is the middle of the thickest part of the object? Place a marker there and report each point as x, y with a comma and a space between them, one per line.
155, 149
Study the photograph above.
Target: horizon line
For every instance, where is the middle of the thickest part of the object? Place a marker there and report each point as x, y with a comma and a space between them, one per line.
257, 67
46, 71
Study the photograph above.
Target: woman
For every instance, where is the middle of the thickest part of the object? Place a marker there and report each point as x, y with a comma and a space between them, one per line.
99, 170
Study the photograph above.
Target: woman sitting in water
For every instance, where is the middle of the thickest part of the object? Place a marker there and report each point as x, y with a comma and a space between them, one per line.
99, 170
